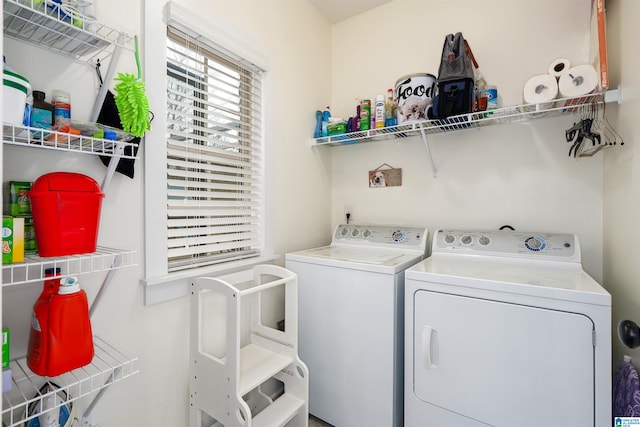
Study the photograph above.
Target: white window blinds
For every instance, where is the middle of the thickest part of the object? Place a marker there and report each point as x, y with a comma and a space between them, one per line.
214, 155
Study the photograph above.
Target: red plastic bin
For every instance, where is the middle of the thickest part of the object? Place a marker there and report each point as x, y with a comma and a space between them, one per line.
66, 213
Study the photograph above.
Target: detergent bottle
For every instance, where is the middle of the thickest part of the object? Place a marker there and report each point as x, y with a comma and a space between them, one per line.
38, 347
66, 337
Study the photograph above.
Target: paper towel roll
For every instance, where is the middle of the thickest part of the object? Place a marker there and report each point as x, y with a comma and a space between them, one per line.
579, 80
559, 67
541, 89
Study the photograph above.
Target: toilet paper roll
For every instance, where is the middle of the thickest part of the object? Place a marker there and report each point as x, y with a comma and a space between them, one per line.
559, 67
578, 81
541, 89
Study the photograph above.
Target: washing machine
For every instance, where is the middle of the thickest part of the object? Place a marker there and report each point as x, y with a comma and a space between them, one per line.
505, 328
351, 321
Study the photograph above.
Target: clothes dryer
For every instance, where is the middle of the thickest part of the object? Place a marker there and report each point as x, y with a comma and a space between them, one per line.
506, 329
351, 322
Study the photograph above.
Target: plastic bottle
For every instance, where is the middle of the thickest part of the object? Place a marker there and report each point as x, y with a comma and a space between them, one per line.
26, 120
38, 347
480, 93
66, 331
380, 112
492, 97
318, 131
388, 108
62, 102
41, 111
326, 114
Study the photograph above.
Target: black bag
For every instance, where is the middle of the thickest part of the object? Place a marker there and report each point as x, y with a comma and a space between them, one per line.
109, 116
455, 79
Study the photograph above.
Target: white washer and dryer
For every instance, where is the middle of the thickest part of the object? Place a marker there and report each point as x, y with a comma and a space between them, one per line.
505, 328
351, 321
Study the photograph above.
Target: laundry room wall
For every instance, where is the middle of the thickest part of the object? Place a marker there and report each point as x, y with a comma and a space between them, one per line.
517, 174
297, 40
622, 176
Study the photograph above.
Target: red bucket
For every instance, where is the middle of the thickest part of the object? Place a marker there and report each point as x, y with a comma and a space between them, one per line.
66, 213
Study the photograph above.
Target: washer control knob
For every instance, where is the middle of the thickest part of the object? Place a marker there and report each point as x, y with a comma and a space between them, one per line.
398, 236
466, 239
366, 233
535, 244
484, 240
355, 232
449, 238
344, 231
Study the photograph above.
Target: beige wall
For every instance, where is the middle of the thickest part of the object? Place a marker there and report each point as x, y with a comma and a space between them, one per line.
298, 42
513, 174
622, 175
516, 174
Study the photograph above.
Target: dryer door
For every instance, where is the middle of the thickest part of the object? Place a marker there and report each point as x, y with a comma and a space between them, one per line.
503, 364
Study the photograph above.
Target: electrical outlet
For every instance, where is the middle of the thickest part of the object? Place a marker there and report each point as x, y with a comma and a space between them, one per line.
348, 213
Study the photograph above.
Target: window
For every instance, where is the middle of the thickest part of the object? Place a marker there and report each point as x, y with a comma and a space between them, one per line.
205, 184
214, 152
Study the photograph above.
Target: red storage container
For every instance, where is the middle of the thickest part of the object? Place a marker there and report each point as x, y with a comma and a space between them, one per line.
66, 213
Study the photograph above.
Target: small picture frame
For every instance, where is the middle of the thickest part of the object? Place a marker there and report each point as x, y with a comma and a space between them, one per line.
390, 177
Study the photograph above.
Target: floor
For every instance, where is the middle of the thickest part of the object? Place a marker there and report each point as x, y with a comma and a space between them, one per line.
315, 422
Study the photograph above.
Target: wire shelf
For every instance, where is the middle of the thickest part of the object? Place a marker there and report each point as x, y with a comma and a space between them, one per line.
33, 267
515, 114
109, 365
50, 26
54, 140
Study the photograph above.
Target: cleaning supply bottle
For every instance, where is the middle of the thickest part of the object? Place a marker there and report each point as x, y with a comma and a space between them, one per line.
38, 347
61, 339
365, 114
62, 103
326, 114
380, 112
480, 93
41, 111
388, 108
318, 131
71, 339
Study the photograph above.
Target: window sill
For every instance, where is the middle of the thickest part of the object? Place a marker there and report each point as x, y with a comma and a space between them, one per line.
176, 285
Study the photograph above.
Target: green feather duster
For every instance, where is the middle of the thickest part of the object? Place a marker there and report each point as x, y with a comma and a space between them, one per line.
132, 101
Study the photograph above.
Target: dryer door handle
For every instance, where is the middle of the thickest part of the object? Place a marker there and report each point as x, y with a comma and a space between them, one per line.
430, 347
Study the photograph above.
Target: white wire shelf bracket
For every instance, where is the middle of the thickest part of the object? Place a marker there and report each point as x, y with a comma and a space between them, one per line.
54, 140
54, 27
507, 115
109, 365
33, 267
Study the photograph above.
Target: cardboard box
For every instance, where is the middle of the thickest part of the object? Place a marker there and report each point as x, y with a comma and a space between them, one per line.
598, 48
12, 240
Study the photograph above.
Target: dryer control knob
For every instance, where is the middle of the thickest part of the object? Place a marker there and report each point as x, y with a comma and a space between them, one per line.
449, 238
466, 239
484, 240
398, 236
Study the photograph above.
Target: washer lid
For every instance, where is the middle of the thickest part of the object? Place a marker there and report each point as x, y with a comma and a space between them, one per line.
546, 279
359, 258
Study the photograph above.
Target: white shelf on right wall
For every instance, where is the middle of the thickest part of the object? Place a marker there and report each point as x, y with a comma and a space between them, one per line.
506, 115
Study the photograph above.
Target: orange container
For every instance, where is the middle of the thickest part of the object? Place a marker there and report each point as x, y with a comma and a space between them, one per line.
61, 339
66, 213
